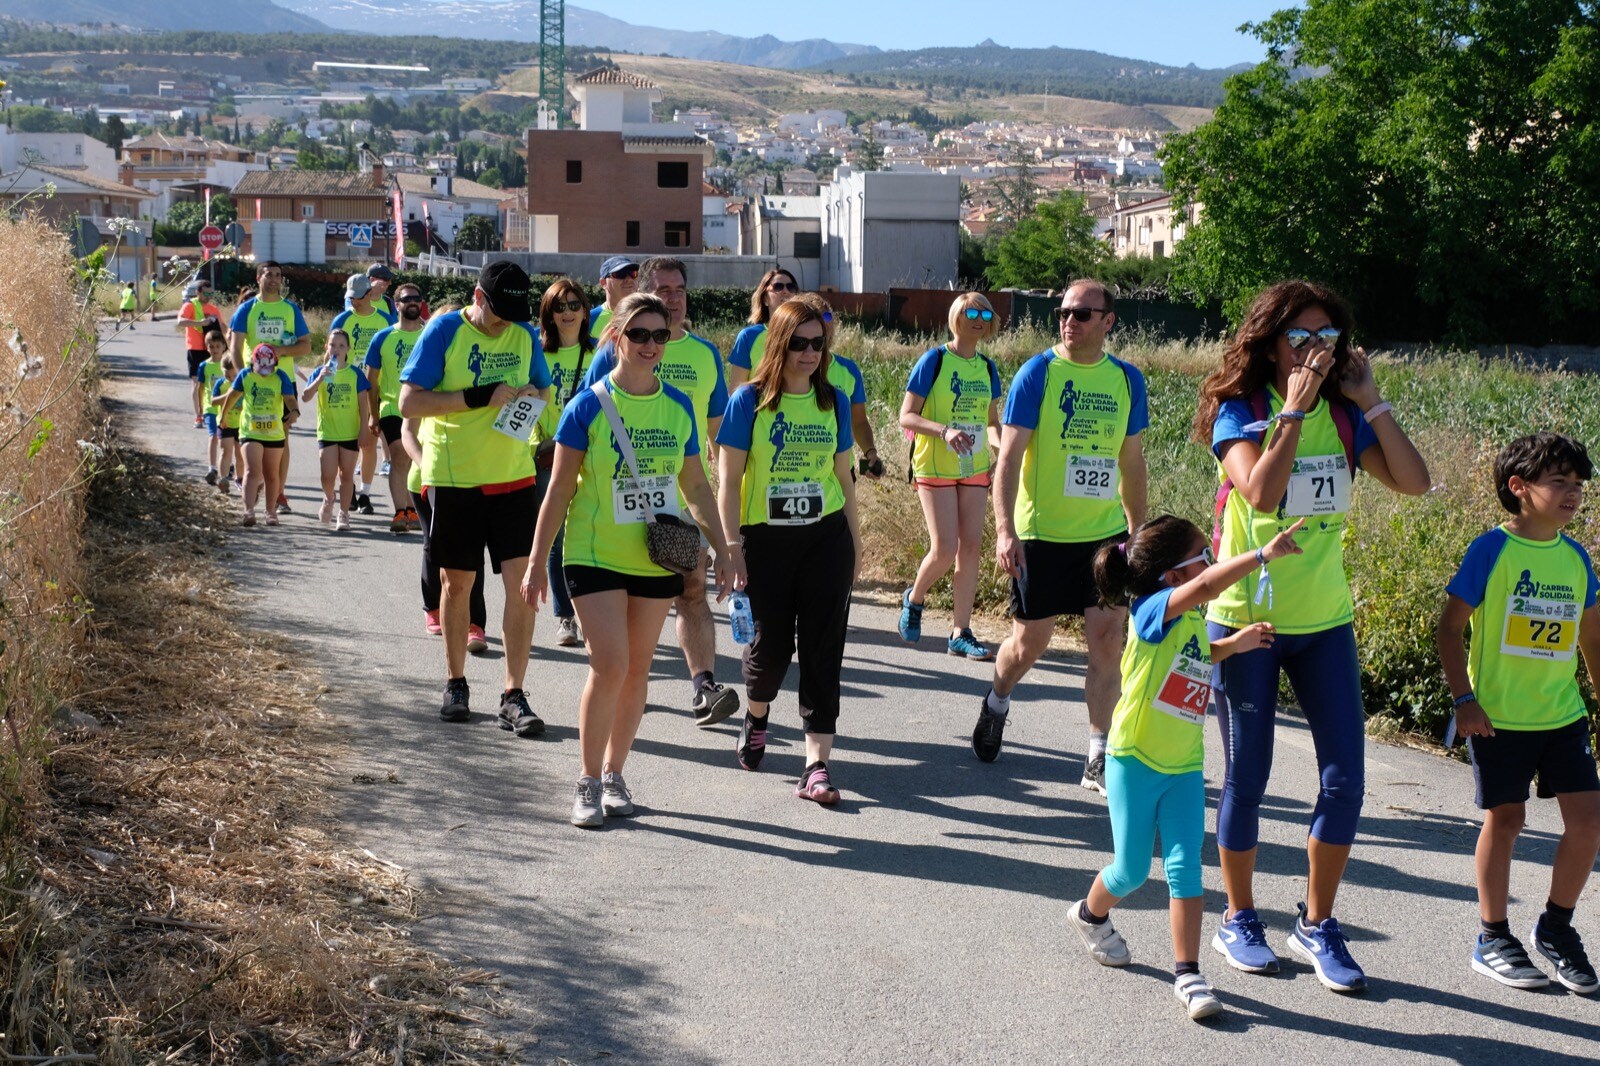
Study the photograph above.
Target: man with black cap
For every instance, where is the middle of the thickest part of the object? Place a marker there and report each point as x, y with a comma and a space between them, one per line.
379, 277
467, 366
619, 278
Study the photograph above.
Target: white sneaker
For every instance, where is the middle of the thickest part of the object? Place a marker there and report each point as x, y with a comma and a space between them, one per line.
567, 633
383, 468
1104, 944
342, 523
615, 799
1195, 993
586, 810
325, 513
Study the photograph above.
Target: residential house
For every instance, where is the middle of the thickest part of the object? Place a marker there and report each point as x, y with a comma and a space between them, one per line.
183, 168
74, 151
442, 202
339, 199
74, 195
1148, 229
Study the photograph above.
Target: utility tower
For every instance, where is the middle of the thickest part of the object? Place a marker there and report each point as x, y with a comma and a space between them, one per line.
553, 55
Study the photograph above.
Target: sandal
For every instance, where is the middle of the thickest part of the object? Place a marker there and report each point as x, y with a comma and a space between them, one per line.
817, 786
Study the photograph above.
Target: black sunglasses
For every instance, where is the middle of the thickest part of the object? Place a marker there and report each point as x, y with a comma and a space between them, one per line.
1082, 314
782, 286
800, 344
640, 335
561, 307
411, 299
1299, 338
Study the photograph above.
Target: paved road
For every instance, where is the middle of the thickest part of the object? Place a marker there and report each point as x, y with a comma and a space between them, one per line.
920, 921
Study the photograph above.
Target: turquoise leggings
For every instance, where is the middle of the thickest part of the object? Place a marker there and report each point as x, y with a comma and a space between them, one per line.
1143, 800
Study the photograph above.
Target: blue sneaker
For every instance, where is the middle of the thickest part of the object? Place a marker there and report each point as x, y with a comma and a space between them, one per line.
1323, 946
1242, 940
910, 619
966, 645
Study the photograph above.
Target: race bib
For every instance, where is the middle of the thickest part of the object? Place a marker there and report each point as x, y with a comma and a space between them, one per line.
1186, 692
633, 499
269, 330
1540, 629
795, 504
263, 423
517, 418
1091, 477
1320, 484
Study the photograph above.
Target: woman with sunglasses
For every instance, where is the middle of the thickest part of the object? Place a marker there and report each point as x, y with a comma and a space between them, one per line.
777, 285
951, 413
568, 348
1290, 415
784, 459
620, 593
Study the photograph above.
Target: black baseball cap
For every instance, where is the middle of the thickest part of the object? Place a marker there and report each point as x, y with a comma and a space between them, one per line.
508, 290
380, 270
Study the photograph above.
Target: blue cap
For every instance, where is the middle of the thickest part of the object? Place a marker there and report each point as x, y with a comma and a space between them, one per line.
616, 264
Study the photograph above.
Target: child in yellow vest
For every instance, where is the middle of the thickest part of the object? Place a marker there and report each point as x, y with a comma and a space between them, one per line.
337, 387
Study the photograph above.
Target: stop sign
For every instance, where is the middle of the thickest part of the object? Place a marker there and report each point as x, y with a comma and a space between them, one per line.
211, 238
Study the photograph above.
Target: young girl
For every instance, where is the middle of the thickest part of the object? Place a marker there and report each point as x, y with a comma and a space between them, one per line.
337, 387
267, 407
207, 374
230, 463
1155, 751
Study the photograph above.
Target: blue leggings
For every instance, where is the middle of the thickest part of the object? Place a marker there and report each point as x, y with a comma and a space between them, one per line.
1325, 677
1143, 800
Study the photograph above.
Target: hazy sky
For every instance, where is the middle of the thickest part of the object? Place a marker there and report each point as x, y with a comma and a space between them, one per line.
1166, 31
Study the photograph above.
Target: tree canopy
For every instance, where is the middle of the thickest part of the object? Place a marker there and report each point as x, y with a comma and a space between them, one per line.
1053, 244
1438, 161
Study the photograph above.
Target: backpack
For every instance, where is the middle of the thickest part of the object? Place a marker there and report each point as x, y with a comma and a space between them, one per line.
1261, 410
911, 438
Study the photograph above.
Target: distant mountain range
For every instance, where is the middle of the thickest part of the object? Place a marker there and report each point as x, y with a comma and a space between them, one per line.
264, 16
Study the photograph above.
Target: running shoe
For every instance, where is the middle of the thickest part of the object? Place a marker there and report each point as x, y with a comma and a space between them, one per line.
1565, 950
223, 486
966, 646
211, 476
363, 503
586, 810
283, 504
430, 622
1094, 775
752, 742
325, 513
342, 523
1506, 960
272, 518
383, 468
1195, 993
567, 635
248, 519
713, 703
817, 786
454, 708
1324, 946
910, 619
1242, 940
198, 419
477, 642
517, 717
413, 520
615, 799
986, 737
1103, 943
398, 524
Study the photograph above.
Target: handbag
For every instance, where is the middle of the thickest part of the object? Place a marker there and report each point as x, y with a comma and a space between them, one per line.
671, 542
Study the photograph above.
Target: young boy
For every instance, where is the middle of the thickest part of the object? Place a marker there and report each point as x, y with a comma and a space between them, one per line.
207, 374
1529, 592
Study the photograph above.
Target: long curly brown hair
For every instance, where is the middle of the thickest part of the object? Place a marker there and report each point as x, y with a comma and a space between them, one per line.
1249, 364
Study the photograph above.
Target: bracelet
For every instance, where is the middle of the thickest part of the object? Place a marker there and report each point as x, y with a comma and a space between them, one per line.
1291, 416
1376, 411
1467, 697
1260, 559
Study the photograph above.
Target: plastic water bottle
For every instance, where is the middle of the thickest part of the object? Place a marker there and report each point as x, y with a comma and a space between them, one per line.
740, 620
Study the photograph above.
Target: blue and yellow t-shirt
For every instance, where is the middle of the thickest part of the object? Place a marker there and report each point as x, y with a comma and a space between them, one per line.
1527, 599
789, 477
339, 404
210, 372
362, 330
690, 364
1310, 592
606, 519
464, 450
219, 389
567, 368
261, 406
1070, 488
387, 355
599, 319
955, 391
1166, 687
275, 322
750, 347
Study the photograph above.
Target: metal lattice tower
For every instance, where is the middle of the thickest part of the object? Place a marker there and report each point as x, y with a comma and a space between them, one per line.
553, 55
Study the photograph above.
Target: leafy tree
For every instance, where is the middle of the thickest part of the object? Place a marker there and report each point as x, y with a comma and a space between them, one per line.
114, 132
870, 155
492, 178
1056, 242
1439, 164
477, 235
185, 219
1017, 192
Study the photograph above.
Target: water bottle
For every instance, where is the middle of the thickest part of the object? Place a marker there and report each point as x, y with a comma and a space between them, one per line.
966, 464
740, 620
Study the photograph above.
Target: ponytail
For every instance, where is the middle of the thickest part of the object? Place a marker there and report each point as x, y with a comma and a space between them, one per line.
1111, 573
1138, 565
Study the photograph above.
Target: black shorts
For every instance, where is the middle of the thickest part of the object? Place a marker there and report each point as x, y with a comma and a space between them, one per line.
263, 443
1056, 579
347, 445
466, 521
389, 426
583, 580
1561, 760
230, 434
196, 356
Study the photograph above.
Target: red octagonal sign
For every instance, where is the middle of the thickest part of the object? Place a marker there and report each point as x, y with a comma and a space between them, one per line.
211, 238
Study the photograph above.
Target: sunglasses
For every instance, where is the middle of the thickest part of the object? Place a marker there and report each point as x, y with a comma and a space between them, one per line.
562, 307
975, 313
640, 335
1299, 338
1205, 556
1082, 314
625, 275
782, 286
800, 344
411, 299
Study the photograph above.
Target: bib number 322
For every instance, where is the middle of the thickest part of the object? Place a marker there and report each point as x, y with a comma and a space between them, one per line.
1092, 477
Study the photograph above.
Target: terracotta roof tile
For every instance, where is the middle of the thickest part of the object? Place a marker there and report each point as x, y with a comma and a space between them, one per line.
613, 76
307, 183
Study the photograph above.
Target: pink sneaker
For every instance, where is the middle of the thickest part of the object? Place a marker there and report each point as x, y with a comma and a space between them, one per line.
815, 785
430, 622
325, 513
477, 642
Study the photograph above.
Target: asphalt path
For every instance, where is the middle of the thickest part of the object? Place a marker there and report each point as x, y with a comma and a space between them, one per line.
921, 920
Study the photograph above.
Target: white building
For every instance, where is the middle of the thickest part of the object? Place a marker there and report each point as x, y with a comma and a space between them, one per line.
721, 224
445, 201
788, 229
72, 150
812, 122
882, 230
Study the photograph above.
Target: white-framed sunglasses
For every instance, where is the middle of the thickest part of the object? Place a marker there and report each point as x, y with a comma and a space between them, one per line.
1205, 556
